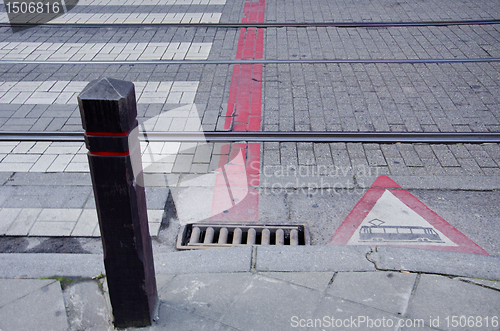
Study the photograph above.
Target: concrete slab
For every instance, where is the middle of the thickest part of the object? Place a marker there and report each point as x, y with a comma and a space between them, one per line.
313, 280
439, 299
324, 211
482, 183
313, 258
387, 291
50, 179
41, 309
162, 280
268, 304
14, 289
171, 318
86, 306
437, 262
235, 259
476, 214
343, 314
25, 265
209, 295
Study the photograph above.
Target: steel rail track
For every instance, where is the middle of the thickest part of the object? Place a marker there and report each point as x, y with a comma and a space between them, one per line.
255, 61
260, 25
272, 136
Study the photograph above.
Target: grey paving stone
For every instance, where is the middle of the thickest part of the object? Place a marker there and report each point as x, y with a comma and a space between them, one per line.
37, 301
483, 159
281, 296
312, 258
87, 307
438, 262
271, 156
195, 292
375, 158
52, 228
23, 222
313, 280
86, 224
182, 163
440, 297
445, 156
177, 319
409, 155
7, 218
236, 259
47, 179
34, 265
336, 312
391, 293
273, 207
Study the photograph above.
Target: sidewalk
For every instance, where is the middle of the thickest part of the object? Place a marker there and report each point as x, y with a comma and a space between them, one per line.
264, 288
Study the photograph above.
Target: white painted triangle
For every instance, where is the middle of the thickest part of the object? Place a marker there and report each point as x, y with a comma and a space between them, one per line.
391, 222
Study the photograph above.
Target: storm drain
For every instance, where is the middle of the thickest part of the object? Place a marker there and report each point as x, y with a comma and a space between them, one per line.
203, 235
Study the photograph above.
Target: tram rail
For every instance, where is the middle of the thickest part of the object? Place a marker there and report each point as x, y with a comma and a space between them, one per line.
261, 25
274, 136
257, 61
269, 136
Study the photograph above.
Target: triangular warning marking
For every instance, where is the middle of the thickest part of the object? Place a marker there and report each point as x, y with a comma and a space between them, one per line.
391, 222
390, 216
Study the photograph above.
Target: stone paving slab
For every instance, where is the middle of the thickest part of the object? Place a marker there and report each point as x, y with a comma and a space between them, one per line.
87, 305
438, 296
149, 2
387, 291
372, 98
470, 265
41, 300
219, 288
66, 92
20, 265
468, 41
345, 165
379, 11
28, 51
157, 157
457, 97
131, 18
312, 258
47, 222
227, 301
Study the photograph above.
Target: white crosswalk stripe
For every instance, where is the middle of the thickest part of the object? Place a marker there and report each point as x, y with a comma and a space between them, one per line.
33, 51
137, 18
25, 156
61, 222
66, 92
149, 2
130, 18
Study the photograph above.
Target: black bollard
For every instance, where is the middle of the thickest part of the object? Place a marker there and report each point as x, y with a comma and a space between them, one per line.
109, 117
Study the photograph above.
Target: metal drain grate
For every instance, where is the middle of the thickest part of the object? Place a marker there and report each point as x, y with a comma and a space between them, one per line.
204, 235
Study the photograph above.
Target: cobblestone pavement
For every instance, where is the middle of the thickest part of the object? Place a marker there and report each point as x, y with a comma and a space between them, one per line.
460, 96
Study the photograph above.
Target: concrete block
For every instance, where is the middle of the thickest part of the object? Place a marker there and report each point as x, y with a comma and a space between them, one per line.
313, 258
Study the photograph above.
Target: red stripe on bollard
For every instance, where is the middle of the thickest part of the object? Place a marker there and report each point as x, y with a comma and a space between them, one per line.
107, 134
110, 153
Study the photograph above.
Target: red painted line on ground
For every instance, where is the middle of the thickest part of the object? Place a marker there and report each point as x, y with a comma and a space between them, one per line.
243, 114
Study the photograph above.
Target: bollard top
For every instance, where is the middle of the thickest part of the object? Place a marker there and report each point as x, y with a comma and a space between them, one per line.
108, 105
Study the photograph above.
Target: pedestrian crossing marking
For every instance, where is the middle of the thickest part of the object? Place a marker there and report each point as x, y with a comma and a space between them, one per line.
36, 51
